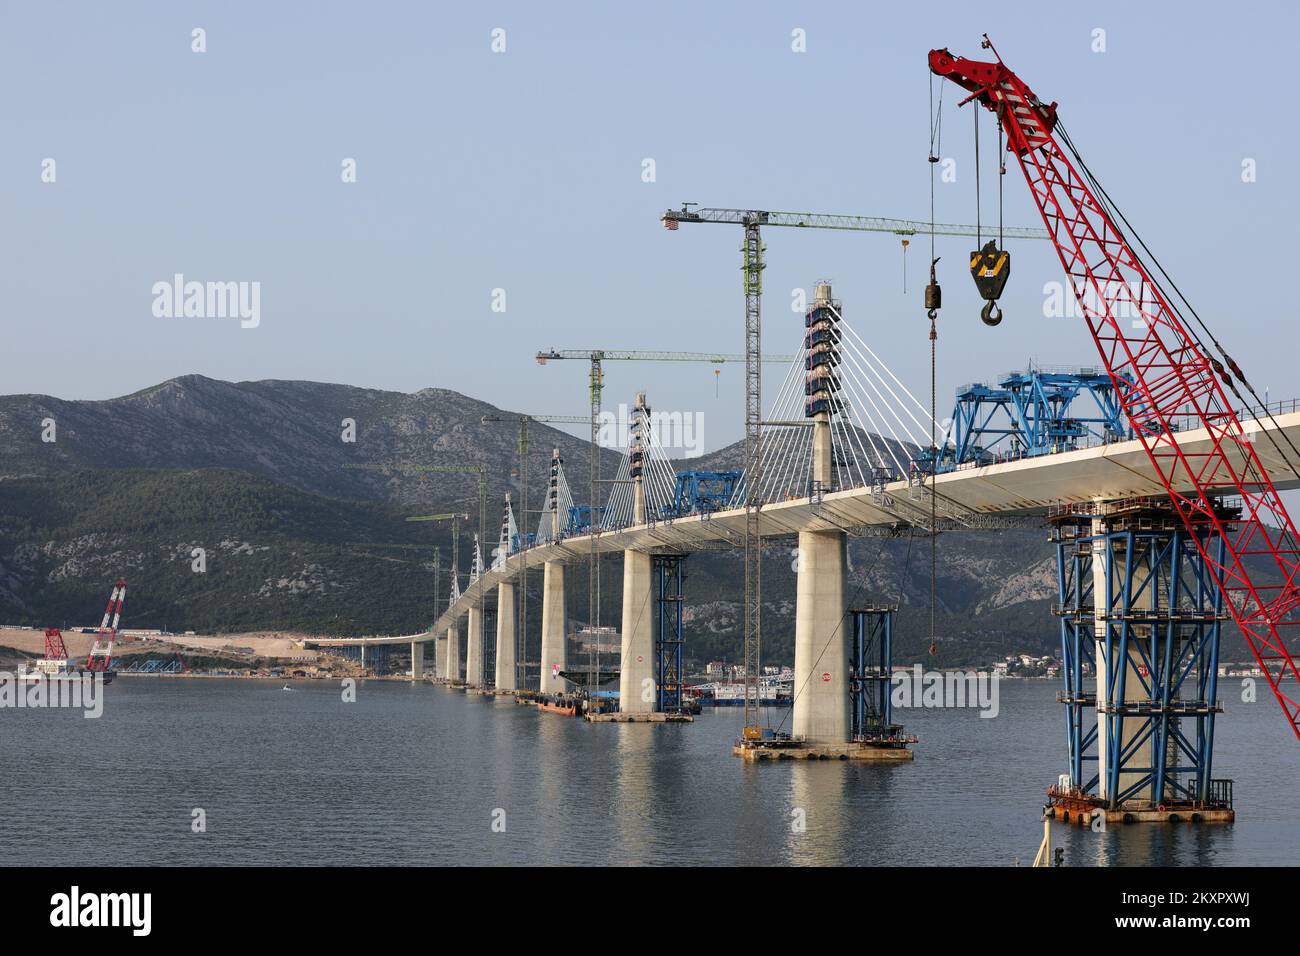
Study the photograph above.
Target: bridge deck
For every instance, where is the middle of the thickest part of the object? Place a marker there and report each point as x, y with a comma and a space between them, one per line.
1022, 487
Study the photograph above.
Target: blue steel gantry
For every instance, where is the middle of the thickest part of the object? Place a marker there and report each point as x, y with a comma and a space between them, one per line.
1030, 413
704, 491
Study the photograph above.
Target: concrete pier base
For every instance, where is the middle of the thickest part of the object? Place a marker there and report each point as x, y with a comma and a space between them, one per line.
822, 709
505, 663
636, 682
474, 648
618, 717
554, 621
795, 750
417, 660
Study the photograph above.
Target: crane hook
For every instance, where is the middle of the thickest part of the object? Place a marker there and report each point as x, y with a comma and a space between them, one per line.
991, 314
933, 294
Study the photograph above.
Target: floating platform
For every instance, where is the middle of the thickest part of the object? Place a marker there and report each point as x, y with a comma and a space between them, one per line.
784, 749
1082, 810
617, 718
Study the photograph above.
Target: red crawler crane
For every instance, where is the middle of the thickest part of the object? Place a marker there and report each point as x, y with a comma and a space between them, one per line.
1172, 372
101, 655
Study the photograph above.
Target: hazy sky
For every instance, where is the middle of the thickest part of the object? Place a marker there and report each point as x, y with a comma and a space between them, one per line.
523, 171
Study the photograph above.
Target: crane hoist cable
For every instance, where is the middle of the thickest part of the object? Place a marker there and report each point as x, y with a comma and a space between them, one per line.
990, 263
933, 301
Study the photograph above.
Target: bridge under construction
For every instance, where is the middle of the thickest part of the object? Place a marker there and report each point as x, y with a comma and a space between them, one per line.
1157, 473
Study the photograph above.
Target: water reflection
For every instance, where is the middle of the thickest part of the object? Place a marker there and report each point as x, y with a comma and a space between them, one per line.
303, 778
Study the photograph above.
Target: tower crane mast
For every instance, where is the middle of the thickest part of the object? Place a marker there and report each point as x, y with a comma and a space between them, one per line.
752, 222
455, 517
596, 384
522, 629
1160, 367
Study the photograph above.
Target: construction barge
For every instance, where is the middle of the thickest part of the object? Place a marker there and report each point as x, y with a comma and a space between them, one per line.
1071, 805
893, 747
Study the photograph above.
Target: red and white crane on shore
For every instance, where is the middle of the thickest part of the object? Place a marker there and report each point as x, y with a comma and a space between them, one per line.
1162, 368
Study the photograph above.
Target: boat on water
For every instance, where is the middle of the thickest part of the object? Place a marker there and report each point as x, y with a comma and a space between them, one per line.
776, 690
564, 706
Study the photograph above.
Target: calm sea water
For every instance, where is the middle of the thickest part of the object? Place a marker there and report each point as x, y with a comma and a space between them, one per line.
413, 774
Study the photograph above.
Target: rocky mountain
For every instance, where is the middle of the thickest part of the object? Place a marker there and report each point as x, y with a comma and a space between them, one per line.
293, 433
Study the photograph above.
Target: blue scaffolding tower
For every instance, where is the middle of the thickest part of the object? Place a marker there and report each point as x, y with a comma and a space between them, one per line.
670, 635
871, 665
1141, 617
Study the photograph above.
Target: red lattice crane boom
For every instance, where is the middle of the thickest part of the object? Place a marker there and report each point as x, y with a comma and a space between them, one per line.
101, 655
1174, 376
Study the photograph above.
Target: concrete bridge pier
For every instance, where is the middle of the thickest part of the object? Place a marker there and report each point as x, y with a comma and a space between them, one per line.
1130, 730
636, 689
822, 707
440, 657
453, 652
822, 711
505, 665
554, 618
417, 660
474, 648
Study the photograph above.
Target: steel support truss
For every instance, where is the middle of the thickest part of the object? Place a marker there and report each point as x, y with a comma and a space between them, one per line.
1141, 618
670, 636
871, 666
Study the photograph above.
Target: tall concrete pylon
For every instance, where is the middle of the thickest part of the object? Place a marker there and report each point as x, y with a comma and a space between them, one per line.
554, 618
453, 652
505, 664
636, 690
554, 611
474, 629
822, 708
505, 673
474, 648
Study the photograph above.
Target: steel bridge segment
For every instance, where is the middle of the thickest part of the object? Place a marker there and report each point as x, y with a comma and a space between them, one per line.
1023, 487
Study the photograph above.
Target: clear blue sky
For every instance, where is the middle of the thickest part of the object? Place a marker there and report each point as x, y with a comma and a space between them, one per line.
522, 171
